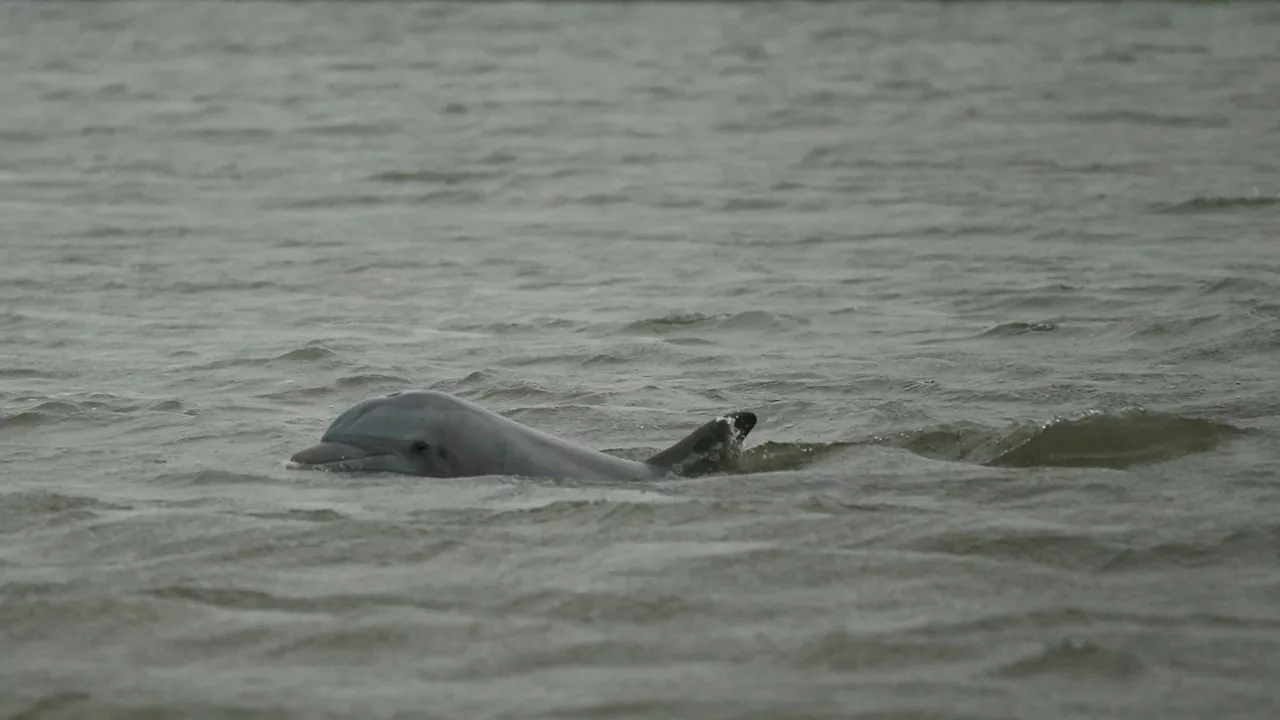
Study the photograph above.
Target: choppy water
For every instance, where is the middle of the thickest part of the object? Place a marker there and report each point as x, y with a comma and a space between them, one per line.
1001, 281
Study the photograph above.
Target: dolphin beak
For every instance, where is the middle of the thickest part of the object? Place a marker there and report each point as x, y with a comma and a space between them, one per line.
327, 453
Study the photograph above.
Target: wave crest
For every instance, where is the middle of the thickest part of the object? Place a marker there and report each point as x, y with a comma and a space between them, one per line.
1115, 440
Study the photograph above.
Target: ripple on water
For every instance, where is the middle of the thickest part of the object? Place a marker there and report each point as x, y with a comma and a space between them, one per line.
1224, 203
370, 383
1064, 547
1261, 337
370, 380
1150, 119
513, 391
350, 129
311, 353
844, 651
235, 598
452, 196
21, 511
1019, 328
210, 477
630, 353
434, 177
305, 354
1260, 544
578, 516
226, 284
748, 320
54, 412
772, 456
1080, 659
633, 606
305, 515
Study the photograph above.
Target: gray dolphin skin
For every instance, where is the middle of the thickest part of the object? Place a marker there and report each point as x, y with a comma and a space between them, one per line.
435, 434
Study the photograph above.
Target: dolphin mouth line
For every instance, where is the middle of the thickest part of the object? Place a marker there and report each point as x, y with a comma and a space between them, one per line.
332, 456
332, 465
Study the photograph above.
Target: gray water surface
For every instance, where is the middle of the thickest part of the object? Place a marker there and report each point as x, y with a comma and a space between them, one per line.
1001, 280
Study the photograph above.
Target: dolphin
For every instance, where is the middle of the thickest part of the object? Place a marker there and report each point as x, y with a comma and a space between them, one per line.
435, 434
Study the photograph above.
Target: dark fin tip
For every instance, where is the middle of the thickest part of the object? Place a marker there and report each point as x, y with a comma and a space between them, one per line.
743, 422
707, 447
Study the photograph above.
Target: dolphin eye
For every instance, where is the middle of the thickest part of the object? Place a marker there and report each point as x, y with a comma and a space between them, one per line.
420, 447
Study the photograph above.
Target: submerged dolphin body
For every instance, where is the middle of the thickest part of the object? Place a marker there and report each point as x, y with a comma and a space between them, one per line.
438, 435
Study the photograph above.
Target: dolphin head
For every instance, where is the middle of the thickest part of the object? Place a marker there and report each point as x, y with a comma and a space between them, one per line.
401, 433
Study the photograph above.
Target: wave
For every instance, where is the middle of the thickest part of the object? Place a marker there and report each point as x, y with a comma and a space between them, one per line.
748, 320
317, 515
370, 382
351, 129
433, 177
1207, 204
47, 502
844, 650
209, 477
23, 512
1150, 119
239, 598
487, 388
1019, 328
100, 408
1120, 440
185, 287
311, 352
777, 457
358, 200
1115, 440
1079, 658
35, 373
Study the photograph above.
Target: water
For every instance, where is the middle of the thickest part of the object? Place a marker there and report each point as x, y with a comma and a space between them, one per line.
1000, 280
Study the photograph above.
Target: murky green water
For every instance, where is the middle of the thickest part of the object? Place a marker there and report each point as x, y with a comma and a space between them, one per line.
1000, 280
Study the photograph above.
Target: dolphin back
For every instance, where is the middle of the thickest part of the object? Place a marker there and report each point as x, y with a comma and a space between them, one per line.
708, 448
483, 442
